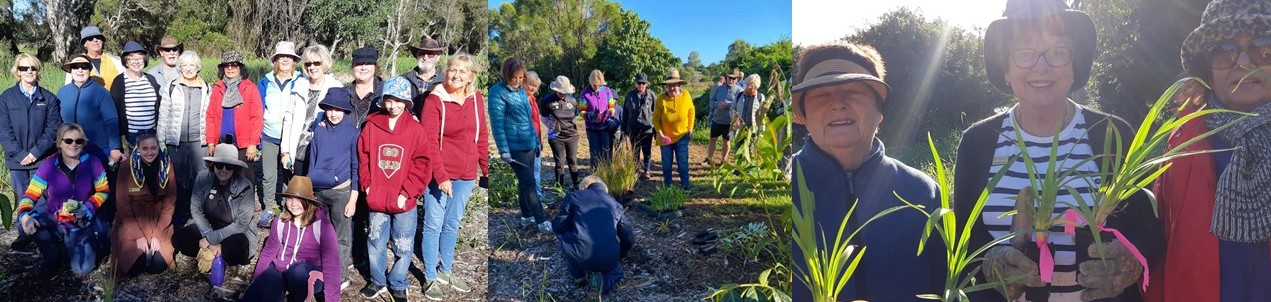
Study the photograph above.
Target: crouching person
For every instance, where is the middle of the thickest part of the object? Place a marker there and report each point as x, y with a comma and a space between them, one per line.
592, 235
222, 209
301, 257
142, 237
63, 223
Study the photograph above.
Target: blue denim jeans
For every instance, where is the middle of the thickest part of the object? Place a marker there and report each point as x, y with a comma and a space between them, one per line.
55, 243
401, 229
679, 150
600, 143
442, 215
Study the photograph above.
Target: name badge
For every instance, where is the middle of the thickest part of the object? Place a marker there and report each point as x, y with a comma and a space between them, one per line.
1001, 160
133, 190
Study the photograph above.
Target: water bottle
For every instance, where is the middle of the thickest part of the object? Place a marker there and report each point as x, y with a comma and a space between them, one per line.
218, 271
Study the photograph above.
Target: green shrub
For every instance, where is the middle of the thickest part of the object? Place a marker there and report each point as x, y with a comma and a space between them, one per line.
668, 198
619, 172
502, 192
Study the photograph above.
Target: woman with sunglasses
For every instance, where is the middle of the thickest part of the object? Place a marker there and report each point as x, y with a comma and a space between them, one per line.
69, 188
30, 120
145, 201
221, 207
1040, 52
85, 101
298, 120
1212, 206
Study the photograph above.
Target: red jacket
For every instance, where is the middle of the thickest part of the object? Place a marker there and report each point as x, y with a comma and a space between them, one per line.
249, 119
538, 124
391, 162
462, 148
1185, 194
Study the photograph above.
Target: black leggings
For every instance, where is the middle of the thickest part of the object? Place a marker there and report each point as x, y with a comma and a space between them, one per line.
526, 187
565, 151
641, 148
235, 249
273, 285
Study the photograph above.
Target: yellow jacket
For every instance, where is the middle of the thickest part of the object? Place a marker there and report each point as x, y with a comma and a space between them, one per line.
674, 117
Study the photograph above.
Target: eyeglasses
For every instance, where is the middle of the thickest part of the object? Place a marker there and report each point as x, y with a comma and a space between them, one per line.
82, 66
164, 49
28, 68
76, 141
231, 65
311, 64
1055, 57
135, 59
1223, 55
221, 166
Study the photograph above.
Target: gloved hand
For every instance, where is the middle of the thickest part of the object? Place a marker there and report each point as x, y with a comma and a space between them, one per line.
1005, 263
506, 157
1111, 269
483, 182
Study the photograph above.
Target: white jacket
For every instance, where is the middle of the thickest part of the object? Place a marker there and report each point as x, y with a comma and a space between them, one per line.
294, 121
172, 113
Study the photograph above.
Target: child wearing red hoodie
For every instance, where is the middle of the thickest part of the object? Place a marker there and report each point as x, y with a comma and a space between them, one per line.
393, 172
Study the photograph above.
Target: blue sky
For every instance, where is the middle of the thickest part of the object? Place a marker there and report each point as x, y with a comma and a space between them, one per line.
709, 26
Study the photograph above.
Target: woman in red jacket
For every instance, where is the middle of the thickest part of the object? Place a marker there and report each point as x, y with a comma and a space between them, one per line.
235, 112
457, 150
393, 172
1213, 206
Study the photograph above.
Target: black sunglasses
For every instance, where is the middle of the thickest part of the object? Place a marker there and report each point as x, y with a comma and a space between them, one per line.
221, 166
84, 66
166, 49
28, 68
77, 141
1224, 54
311, 64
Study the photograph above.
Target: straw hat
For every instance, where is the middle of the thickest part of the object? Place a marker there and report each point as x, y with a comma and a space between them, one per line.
673, 77
77, 59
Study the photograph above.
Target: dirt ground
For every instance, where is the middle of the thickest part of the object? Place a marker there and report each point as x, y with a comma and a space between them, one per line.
526, 265
19, 280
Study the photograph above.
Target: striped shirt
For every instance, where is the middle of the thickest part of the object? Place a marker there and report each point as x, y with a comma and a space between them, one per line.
1073, 147
139, 104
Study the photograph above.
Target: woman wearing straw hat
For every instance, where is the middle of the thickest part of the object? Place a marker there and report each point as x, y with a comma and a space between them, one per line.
136, 94
88, 103
673, 118
300, 259
1040, 52
222, 209
559, 109
280, 89
1212, 206
146, 200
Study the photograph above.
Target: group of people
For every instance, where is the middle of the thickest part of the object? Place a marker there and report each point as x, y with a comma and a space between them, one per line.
143, 166
1203, 241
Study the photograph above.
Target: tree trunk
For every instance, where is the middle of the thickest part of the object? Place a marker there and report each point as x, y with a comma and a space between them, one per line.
65, 18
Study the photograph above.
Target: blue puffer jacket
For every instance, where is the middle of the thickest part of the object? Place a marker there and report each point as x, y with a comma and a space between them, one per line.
28, 125
889, 271
511, 119
92, 107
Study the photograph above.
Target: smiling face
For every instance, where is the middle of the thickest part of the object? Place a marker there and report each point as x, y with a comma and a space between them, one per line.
169, 55
32, 73
134, 61
314, 70
71, 144
149, 149
223, 172
232, 70
842, 116
427, 61
674, 90
457, 76
93, 45
295, 206
286, 64
394, 106
517, 78
1038, 82
335, 116
1244, 86
189, 71
363, 72
80, 71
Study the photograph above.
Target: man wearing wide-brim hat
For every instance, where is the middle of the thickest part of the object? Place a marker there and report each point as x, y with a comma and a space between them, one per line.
168, 50
840, 94
106, 66
425, 76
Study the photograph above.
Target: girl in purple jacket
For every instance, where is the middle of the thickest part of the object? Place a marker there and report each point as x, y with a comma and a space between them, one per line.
301, 252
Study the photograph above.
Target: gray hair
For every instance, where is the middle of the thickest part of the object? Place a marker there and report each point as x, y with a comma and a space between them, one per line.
753, 79
590, 180
190, 57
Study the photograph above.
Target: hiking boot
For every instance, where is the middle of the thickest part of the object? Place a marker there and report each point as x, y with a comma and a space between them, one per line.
454, 282
372, 291
265, 218
399, 295
545, 227
432, 290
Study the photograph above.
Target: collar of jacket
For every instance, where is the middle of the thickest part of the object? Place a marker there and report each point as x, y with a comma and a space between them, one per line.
821, 162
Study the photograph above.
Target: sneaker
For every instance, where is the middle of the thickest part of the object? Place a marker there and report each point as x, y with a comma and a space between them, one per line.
545, 227
454, 282
432, 290
399, 295
527, 221
372, 291
344, 283
265, 218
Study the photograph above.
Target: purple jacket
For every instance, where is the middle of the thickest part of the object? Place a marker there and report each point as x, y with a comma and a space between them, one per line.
315, 244
53, 188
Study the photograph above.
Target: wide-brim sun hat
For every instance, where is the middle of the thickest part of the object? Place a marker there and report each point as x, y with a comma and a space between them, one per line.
300, 187
997, 38
169, 42
77, 59
562, 85
673, 77
285, 48
426, 44
1224, 20
225, 154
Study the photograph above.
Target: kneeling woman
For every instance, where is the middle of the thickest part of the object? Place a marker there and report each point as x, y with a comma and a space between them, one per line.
300, 253
142, 238
222, 207
63, 222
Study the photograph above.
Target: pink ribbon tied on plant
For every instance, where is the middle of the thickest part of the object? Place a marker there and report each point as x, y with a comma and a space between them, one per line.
1071, 228
1045, 261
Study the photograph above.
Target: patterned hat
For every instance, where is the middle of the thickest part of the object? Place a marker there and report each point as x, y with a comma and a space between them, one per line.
397, 87
1224, 20
230, 57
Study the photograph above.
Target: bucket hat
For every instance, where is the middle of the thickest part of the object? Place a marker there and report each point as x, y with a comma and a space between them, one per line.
426, 44
225, 154
285, 48
673, 77
562, 85
998, 35
1224, 20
